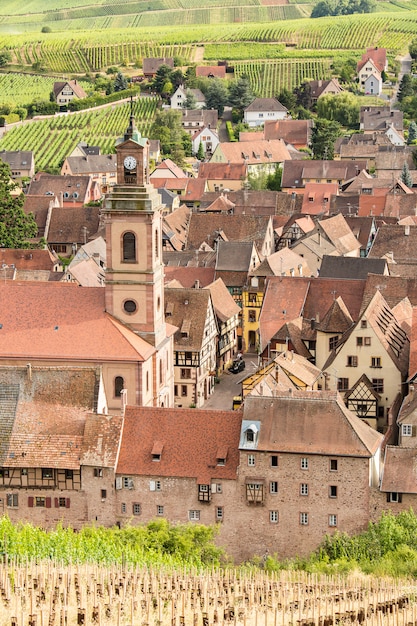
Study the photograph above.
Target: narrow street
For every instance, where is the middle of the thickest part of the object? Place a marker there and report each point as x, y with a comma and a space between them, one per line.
230, 385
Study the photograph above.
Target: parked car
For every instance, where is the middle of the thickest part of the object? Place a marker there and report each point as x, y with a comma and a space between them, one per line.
237, 366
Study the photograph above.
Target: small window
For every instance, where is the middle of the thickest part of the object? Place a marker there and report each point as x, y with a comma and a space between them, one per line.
364, 324
376, 361
123, 507
251, 460
136, 508
359, 341
129, 247
185, 373
333, 465
304, 463
394, 497
378, 385
98, 472
12, 500
119, 384
194, 515
333, 342
342, 384
333, 491
69, 474
24, 471
103, 494
274, 460
158, 485
219, 513
273, 486
40, 501
367, 341
304, 489
221, 462
304, 519
62, 503
159, 509
273, 517
130, 306
407, 430
47, 473
332, 520
184, 391
352, 361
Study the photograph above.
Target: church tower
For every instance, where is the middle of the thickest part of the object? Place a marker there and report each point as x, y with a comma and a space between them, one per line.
134, 275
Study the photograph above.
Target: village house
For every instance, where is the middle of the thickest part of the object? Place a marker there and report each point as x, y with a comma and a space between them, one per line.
324, 87
208, 138
260, 157
67, 91
261, 110
296, 173
223, 176
21, 163
179, 97
193, 120
152, 64
101, 168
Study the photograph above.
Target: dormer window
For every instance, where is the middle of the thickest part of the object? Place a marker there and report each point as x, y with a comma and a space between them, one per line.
251, 434
157, 451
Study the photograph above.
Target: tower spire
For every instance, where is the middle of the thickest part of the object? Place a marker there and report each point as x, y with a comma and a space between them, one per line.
131, 130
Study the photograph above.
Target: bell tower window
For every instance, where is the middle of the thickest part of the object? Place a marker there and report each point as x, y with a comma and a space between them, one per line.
129, 247
119, 384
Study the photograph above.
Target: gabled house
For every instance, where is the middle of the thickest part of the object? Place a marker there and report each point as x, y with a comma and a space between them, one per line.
21, 163
295, 174
66, 91
210, 71
152, 64
372, 83
101, 168
379, 118
369, 365
175, 228
193, 120
70, 190
223, 176
179, 97
208, 138
192, 312
260, 157
70, 228
317, 198
324, 87
294, 132
234, 261
261, 110
227, 316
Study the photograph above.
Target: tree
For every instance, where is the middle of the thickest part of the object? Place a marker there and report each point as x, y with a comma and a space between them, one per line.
5, 57
190, 102
303, 95
406, 88
287, 98
323, 137
322, 8
16, 227
216, 96
174, 141
200, 152
412, 133
412, 48
406, 176
343, 108
120, 82
273, 182
163, 74
240, 94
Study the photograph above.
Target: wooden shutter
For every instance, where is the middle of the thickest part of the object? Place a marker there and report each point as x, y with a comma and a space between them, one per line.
388, 497
67, 503
56, 503
30, 501
48, 503
400, 497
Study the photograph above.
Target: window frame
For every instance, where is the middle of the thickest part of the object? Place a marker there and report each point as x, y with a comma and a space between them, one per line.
303, 519
304, 489
194, 515
304, 463
273, 487
273, 517
332, 520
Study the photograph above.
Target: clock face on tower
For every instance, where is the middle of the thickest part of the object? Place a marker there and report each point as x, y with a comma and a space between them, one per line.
129, 163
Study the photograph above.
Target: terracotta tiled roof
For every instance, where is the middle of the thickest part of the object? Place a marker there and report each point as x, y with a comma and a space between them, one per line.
332, 429
73, 225
188, 276
95, 164
377, 55
393, 238
216, 71
253, 153
256, 202
323, 291
232, 278
77, 187
319, 86
399, 470
243, 228
167, 165
256, 135
265, 104
298, 366
27, 259
190, 258
337, 318
101, 440
191, 443
187, 310
220, 205
38, 321
152, 64
295, 173
224, 305
222, 171
339, 233
295, 132
317, 197
234, 256
175, 226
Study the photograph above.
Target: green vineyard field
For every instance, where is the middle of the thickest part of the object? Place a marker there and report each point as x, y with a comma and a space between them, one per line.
52, 139
25, 88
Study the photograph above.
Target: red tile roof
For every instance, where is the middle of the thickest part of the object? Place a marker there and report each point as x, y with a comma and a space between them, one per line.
188, 276
191, 442
216, 71
62, 321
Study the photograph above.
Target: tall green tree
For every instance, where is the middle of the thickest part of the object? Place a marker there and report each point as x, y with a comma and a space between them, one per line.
16, 227
412, 133
190, 101
406, 88
406, 176
175, 142
163, 74
216, 96
303, 95
241, 94
120, 82
343, 108
323, 137
287, 98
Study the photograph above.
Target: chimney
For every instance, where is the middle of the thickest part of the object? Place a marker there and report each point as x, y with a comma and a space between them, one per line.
196, 284
407, 230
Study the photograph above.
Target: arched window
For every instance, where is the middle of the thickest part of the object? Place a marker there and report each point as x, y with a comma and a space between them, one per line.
129, 247
119, 384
